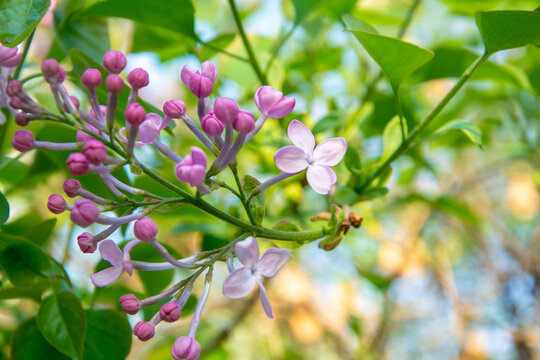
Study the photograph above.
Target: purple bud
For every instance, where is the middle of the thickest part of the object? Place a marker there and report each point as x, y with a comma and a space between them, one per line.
138, 78
23, 140
272, 103
91, 78
114, 83
186, 348
15, 102
75, 102
244, 122
200, 86
192, 169
226, 110
84, 213
169, 312
56, 204
7, 55
86, 243
13, 87
49, 67
174, 108
61, 74
129, 304
77, 164
209, 70
21, 118
135, 114
71, 187
144, 330
12, 61
145, 229
94, 151
114, 62
211, 124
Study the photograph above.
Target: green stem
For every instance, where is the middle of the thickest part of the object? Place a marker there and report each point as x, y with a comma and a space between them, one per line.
278, 47
218, 49
242, 195
429, 118
247, 45
402, 122
25, 52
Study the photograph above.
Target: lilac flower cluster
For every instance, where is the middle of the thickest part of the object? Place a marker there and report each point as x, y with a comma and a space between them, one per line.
100, 148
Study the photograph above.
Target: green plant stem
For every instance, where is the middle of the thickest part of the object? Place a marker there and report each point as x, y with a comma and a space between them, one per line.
218, 49
278, 47
247, 45
31, 77
234, 170
27, 43
402, 122
429, 118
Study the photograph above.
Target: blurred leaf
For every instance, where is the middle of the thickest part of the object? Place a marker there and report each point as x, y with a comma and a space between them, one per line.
21, 260
345, 195
108, 335
212, 242
508, 29
166, 43
33, 292
472, 131
391, 138
380, 282
384, 176
287, 226
377, 17
40, 233
175, 15
330, 121
62, 322
302, 8
452, 207
373, 193
257, 203
354, 24
19, 18
220, 42
4, 209
332, 240
14, 172
352, 160
28, 343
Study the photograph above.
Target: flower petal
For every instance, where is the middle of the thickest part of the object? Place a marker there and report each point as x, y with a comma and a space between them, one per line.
330, 151
321, 178
266, 97
272, 260
107, 276
291, 159
196, 175
301, 136
265, 301
209, 70
126, 259
122, 134
198, 156
282, 108
247, 251
109, 251
150, 128
239, 283
186, 73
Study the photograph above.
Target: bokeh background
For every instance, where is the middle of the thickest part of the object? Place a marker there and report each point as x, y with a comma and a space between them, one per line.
444, 266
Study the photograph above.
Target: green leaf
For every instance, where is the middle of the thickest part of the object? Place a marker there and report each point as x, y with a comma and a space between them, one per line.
302, 8
220, 42
373, 193
380, 282
212, 242
332, 240
62, 322
507, 29
175, 15
41, 233
330, 121
472, 131
108, 335
257, 203
33, 292
4, 209
287, 226
397, 58
391, 137
29, 343
19, 18
352, 160
354, 24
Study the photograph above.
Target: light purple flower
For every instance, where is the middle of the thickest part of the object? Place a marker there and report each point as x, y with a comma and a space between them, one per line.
119, 260
272, 103
241, 281
303, 154
200, 83
192, 169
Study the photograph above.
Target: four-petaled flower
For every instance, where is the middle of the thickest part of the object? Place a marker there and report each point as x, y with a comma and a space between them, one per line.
241, 281
303, 154
119, 260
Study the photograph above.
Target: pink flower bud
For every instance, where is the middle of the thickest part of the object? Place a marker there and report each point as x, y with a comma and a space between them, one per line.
6, 53
135, 114
15, 102
49, 67
192, 169
12, 61
169, 312
129, 304
21, 118
200, 86
61, 74
211, 124
94, 151
272, 103
244, 122
13, 87
145, 229
209, 70
114, 62
91, 78
56, 204
144, 330
114, 83
77, 164
23, 140
174, 108
138, 78
71, 187
186, 348
86, 243
75, 102
85, 213
226, 110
